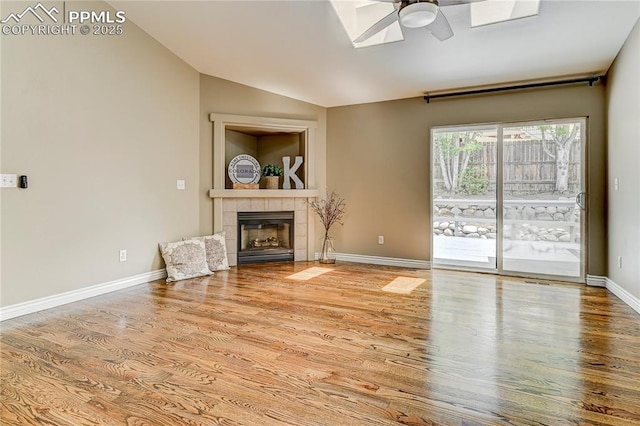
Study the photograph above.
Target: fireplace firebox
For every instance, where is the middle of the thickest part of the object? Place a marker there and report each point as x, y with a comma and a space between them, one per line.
265, 237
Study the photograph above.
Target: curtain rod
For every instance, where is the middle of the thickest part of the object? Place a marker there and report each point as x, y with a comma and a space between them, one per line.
590, 80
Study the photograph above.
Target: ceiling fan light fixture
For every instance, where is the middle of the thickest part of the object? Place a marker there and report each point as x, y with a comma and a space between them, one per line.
418, 15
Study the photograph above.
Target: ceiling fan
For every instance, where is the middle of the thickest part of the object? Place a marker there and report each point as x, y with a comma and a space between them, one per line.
416, 14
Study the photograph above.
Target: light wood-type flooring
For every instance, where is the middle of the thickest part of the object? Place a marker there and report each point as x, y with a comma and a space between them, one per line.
251, 346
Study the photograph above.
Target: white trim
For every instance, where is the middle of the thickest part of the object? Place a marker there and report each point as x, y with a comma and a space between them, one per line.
621, 293
624, 295
32, 306
596, 281
263, 193
378, 260
282, 124
48, 302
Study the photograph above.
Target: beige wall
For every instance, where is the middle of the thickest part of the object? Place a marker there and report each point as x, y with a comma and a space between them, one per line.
225, 97
378, 159
103, 127
624, 163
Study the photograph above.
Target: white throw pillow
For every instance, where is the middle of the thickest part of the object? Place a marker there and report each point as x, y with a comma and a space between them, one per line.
185, 259
216, 249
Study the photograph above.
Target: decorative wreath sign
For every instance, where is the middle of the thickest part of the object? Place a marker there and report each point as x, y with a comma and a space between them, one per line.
244, 169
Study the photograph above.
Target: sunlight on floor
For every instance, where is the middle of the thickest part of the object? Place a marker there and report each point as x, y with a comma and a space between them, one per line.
309, 273
403, 285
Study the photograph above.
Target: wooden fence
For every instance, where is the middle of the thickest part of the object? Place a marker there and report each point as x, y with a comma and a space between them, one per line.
527, 169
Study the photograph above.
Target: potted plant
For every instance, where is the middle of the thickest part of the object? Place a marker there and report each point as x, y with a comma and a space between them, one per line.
330, 211
272, 174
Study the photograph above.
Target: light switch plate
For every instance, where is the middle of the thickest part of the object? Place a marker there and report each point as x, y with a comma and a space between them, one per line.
180, 184
9, 181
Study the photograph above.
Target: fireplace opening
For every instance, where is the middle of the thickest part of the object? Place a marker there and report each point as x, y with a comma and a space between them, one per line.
265, 237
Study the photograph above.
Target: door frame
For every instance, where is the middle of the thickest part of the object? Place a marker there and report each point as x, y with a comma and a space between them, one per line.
584, 133
453, 128
584, 186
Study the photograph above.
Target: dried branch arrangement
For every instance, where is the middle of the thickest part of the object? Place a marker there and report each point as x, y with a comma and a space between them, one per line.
330, 210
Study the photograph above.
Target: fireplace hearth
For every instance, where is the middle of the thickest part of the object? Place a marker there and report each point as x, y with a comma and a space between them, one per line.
265, 237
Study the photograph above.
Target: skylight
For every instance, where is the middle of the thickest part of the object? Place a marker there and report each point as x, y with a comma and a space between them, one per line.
493, 11
357, 16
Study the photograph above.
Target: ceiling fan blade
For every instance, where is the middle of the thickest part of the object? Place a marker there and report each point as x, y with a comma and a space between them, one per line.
442, 3
440, 28
377, 27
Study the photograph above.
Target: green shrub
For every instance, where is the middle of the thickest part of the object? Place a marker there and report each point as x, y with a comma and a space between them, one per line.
474, 181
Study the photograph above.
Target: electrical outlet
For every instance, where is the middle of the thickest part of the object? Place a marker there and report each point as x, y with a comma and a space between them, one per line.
380, 239
123, 255
620, 262
180, 184
9, 181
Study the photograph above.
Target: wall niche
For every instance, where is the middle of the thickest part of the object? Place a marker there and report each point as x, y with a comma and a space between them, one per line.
267, 140
265, 145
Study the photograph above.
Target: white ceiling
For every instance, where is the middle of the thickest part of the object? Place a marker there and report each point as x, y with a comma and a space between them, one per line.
298, 48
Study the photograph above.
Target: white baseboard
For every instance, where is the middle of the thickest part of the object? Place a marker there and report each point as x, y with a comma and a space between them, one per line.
32, 306
378, 260
596, 281
624, 295
621, 293
48, 302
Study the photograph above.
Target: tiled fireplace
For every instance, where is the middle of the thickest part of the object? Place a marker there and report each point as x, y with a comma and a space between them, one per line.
231, 207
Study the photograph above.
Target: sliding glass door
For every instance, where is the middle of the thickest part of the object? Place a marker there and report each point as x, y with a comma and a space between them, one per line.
510, 198
543, 198
464, 197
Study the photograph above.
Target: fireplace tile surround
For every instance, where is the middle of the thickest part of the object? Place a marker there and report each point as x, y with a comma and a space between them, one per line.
231, 207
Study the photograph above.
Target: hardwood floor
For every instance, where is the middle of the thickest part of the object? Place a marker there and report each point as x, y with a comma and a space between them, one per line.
251, 346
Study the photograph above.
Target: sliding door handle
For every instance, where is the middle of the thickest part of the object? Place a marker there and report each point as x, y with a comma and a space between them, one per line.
581, 200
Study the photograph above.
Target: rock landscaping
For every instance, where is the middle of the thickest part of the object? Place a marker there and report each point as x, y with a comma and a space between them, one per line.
558, 221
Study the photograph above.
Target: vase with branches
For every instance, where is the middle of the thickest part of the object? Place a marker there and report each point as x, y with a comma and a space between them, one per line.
330, 211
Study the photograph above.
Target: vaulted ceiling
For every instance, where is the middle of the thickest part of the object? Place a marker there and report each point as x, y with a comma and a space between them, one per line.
298, 48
